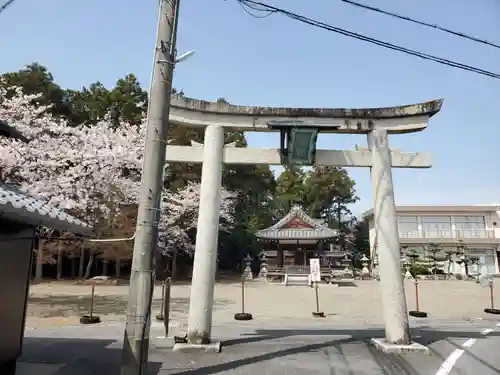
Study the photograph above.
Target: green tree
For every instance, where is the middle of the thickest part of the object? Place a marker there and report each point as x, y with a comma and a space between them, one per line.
327, 193
36, 79
290, 188
89, 105
433, 250
361, 236
128, 100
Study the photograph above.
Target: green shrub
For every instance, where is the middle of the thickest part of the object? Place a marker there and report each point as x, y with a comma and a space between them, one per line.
419, 269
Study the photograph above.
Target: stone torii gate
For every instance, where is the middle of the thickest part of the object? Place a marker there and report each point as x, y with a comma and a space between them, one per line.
299, 128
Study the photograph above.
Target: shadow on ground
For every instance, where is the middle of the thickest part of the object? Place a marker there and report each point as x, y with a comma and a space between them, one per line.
277, 351
343, 284
64, 356
346, 349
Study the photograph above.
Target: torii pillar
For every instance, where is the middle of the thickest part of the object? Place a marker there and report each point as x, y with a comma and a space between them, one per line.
395, 312
205, 256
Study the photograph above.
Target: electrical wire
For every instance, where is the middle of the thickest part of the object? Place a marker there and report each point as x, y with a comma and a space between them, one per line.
422, 23
258, 6
6, 5
253, 14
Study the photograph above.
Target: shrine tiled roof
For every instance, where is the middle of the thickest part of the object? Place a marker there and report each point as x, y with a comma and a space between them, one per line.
313, 229
18, 206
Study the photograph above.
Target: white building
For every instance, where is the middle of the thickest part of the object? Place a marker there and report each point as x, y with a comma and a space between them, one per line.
477, 227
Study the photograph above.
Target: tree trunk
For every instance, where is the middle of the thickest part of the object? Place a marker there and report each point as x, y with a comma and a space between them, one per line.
39, 263
118, 267
82, 260
105, 267
59, 259
89, 265
73, 267
174, 265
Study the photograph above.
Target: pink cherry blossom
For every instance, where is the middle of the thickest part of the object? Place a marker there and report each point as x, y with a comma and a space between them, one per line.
91, 170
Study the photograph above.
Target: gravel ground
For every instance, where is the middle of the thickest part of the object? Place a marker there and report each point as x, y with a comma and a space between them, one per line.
357, 301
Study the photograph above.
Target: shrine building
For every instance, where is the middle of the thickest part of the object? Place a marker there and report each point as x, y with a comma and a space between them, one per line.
295, 239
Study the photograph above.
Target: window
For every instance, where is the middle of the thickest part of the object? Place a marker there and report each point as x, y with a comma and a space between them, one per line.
469, 222
486, 261
437, 226
407, 226
436, 219
407, 219
470, 226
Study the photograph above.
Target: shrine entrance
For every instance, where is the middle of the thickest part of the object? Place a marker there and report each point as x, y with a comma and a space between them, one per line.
301, 257
299, 129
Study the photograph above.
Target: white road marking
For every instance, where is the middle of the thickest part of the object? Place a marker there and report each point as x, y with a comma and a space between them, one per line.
455, 356
450, 362
498, 324
486, 331
468, 343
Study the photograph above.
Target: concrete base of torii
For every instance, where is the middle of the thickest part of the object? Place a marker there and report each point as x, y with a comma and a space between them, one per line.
388, 348
213, 347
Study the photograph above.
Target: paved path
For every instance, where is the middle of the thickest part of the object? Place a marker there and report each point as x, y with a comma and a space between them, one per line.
302, 346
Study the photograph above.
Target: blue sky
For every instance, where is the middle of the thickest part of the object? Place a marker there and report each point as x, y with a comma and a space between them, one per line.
280, 62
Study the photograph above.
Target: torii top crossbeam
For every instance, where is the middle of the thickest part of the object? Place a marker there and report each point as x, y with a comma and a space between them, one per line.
401, 119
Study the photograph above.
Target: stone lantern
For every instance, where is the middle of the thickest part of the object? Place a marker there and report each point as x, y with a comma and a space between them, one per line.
247, 273
364, 262
406, 265
346, 262
263, 266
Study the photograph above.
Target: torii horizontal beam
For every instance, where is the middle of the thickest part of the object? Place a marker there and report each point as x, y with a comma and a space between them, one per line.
338, 158
192, 112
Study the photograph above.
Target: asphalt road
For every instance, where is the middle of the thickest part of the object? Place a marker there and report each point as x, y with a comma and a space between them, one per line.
299, 347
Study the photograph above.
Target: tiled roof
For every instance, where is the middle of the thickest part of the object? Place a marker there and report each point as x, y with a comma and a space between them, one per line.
297, 234
18, 206
317, 231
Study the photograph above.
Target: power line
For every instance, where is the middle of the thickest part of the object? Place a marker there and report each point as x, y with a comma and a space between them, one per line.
5, 5
258, 6
253, 14
422, 23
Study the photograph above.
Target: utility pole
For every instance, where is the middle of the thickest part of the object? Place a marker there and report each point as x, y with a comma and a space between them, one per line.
142, 278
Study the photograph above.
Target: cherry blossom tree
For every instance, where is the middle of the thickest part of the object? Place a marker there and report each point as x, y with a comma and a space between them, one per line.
80, 169
91, 171
179, 216
88, 171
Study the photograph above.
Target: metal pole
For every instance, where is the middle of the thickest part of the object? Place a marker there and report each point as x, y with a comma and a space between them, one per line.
92, 301
136, 340
243, 294
491, 296
416, 296
163, 296
166, 304
317, 295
